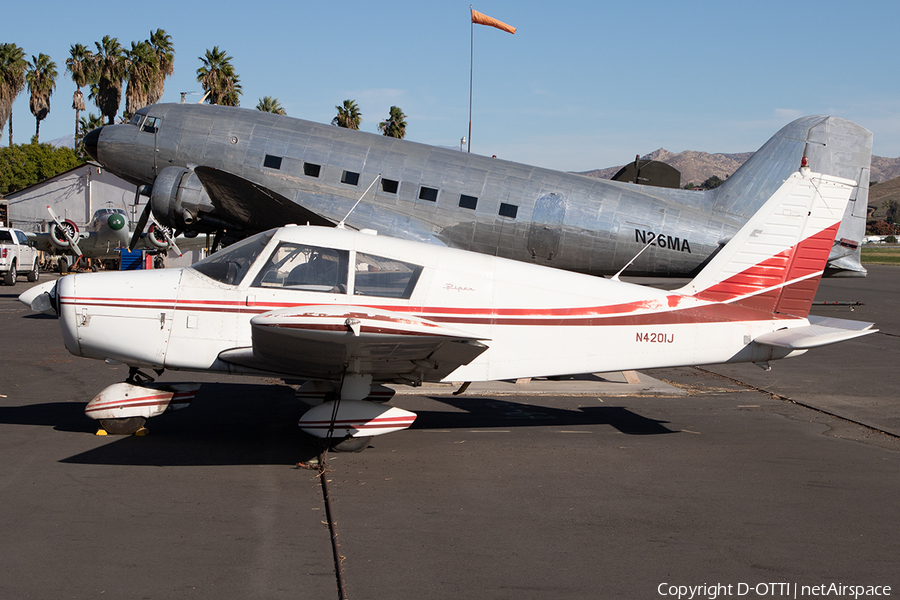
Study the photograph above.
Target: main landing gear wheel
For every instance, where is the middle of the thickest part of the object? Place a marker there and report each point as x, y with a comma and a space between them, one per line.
126, 426
351, 444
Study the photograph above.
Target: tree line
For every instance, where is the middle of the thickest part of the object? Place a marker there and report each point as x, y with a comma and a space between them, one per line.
142, 70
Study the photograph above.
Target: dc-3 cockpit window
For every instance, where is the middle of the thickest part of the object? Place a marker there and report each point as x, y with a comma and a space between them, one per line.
230, 265
145, 123
303, 267
386, 277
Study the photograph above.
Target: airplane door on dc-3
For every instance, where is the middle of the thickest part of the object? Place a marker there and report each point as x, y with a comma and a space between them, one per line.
546, 226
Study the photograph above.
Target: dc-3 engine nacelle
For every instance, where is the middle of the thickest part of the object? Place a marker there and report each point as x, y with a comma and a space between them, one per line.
178, 199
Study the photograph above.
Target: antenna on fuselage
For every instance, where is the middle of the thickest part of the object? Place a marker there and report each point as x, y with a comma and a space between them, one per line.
628, 264
341, 225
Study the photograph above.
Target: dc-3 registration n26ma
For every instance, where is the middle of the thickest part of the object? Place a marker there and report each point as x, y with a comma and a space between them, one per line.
348, 310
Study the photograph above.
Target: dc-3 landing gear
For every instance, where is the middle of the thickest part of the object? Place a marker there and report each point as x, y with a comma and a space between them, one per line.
123, 408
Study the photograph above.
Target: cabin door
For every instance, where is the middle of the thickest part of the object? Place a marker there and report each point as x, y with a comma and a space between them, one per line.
546, 226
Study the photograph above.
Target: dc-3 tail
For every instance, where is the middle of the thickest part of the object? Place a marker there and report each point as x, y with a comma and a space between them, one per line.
774, 263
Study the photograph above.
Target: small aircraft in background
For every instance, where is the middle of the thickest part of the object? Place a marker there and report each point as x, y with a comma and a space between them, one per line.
235, 172
106, 232
350, 310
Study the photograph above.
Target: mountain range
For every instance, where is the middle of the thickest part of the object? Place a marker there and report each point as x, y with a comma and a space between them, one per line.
697, 167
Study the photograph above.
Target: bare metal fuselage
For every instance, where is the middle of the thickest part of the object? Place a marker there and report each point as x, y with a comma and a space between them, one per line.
482, 204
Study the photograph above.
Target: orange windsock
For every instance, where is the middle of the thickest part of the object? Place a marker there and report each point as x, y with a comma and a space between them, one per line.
481, 19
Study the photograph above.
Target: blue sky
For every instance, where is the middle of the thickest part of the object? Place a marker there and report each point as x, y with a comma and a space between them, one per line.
581, 84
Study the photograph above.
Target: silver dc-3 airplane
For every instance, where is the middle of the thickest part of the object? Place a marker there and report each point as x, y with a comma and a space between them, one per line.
350, 310
214, 169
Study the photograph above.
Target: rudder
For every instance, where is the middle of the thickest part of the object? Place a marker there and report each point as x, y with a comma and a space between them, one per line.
775, 261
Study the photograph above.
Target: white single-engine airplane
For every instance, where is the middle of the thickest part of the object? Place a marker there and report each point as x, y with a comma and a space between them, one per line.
349, 310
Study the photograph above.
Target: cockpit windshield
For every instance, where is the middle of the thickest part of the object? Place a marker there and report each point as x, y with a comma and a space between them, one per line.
145, 122
229, 266
105, 212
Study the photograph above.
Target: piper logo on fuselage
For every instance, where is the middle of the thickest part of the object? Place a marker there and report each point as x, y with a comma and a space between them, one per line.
643, 236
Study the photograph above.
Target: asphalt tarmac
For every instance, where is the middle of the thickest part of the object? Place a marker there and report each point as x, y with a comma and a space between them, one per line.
721, 475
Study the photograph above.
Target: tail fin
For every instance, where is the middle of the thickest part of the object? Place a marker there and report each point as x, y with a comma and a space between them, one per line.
775, 261
835, 146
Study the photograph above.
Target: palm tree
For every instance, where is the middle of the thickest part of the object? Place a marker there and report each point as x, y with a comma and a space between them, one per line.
88, 124
78, 65
165, 63
216, 75
395, 125
141, 70
108, 69
12, 82
270, 105
348, 115
41, 78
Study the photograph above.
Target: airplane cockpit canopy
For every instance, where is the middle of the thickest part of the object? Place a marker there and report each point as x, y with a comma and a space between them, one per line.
105, 212
229, 266
145, 122
294, 265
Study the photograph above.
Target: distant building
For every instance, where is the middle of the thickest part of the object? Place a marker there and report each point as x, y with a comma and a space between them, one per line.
74, 194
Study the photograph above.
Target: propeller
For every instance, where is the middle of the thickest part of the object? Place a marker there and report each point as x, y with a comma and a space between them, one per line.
67, 232
142, 221
166, 234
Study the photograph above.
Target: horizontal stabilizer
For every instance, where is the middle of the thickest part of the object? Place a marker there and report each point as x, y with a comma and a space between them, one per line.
821, 332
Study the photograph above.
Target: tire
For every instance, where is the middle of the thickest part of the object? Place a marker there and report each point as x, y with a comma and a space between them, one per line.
351, 444
62, 265
35, 273
11, 275
125, 426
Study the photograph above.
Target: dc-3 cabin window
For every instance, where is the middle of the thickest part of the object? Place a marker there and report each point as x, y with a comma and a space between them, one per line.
389, 186
311, 170
306, 268
508, 210
229, 266
470, 202
428, 193
350, 178
385, 277
272, 162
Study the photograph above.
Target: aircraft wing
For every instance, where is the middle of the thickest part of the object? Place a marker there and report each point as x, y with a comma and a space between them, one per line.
41, 241
251, 206
821, 331
322, 342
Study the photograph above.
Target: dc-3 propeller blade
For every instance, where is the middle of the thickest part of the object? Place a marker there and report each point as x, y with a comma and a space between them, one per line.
147, 216
66, 232
142, 222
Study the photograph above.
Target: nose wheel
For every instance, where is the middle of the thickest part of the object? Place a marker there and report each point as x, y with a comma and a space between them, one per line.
125, 426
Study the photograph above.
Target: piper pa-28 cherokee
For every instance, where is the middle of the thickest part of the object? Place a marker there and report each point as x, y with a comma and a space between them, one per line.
214, 168
348, 310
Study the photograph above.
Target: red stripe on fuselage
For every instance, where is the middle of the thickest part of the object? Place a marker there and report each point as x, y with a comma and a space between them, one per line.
620, 314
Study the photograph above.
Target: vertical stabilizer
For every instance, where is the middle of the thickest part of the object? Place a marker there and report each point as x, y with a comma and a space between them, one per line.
775, 261
834, 146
